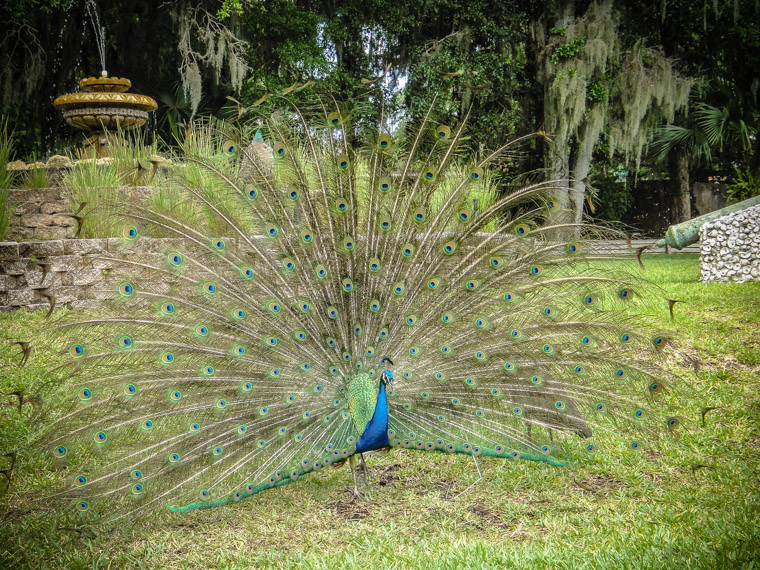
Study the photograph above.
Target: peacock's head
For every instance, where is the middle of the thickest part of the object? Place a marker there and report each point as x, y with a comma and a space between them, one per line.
387, 376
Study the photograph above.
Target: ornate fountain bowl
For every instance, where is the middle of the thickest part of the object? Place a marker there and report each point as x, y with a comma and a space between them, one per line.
105, 104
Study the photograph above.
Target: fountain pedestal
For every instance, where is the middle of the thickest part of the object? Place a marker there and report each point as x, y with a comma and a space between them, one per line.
103, 108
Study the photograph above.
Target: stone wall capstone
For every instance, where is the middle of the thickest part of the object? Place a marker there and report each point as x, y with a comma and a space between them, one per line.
730, 247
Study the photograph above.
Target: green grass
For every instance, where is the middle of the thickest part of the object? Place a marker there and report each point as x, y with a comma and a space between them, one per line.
636, 511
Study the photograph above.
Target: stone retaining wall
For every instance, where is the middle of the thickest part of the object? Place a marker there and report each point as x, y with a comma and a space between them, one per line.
71, 271
730, 249
41, 214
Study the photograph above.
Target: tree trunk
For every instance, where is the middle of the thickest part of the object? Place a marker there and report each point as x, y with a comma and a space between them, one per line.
678, 168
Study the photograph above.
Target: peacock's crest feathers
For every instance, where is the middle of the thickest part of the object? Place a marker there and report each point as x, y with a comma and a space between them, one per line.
244, 347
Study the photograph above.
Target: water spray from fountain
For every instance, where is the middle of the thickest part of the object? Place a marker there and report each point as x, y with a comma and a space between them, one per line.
100, 33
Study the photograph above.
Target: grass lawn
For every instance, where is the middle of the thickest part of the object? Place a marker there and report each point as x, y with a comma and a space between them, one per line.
693, 504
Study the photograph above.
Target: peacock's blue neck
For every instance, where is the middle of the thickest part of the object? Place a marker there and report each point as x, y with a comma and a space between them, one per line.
375, 435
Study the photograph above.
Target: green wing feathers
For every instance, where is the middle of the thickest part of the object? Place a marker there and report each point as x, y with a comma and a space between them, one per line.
220, 361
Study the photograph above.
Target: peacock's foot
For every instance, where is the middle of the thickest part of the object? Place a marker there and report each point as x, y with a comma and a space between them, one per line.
357, 498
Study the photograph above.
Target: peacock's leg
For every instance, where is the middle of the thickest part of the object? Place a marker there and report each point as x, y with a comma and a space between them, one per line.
352, 464
364, 468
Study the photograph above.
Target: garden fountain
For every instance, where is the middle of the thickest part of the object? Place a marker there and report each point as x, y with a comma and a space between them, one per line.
104, 106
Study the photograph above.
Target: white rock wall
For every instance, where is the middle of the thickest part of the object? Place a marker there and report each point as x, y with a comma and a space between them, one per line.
730, 247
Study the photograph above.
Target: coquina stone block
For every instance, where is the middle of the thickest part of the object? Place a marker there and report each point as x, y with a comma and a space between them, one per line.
730, 247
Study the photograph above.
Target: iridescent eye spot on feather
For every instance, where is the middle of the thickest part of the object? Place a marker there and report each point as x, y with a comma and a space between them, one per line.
442, 132
341, 204
385, 223
130, 390
515, 334
374, 305
549, 311
480, 355
635, 445
510, 366
100, 437
203, 495
447, 318
440, 376
208, 371
470, 382
60, 451
517, 411
476, 174
77, 350
455, 401
495, 392
659, 341
451, 448
229, 148
333, 370
343, 163
305, 366
251, 192
271, 230
80, 481
591, 449
600, 407
239, 350
347, 284
639, 414
590, 300
175, 396
398, 288
655, 387
521, 230
578, 369
209, 288
85, 394
333, 119
288, 264
384, 141
320, 271
246, 386
221, 403
146, 425
194, 427
299, 335
271, 341
464, 215
374, 264
411, 320
201, 330
332, 312
419, 215
219, 244
587, 341
238, 314
445, 349
626, 338
126, 289
137, 489
247, 272
307, 236
292, 194
537, 380
167, 358
383, 333
472, 284
429, 174
167, 308
481, 323
279, 150
621, 374
560, 405
509, 297
82, 506
624, 293
290, 398
450, 247
515, 455
175, 259
407, 250
536, 270
495, 262
130, 233
173, 457
672, 422
573, 248
385, 184
414, 350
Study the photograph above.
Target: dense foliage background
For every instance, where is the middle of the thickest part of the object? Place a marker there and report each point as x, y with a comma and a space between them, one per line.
661, 90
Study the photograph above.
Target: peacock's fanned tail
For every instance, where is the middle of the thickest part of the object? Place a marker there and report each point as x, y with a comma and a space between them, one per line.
221, 360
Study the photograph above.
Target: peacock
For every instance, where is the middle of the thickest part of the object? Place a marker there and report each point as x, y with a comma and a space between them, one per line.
341, 284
